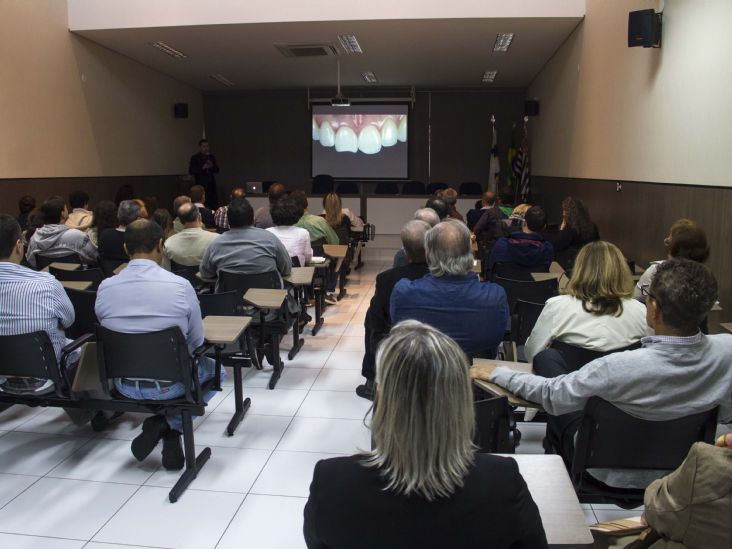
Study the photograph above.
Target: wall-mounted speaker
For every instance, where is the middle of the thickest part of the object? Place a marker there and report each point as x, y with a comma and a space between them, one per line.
644, 29
180, 110
531, 108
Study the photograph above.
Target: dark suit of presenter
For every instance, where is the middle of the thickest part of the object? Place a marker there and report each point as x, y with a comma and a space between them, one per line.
205, 176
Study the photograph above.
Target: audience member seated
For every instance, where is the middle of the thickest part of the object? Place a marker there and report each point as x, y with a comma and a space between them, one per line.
146, 298
527, 247
596, 310
26, 204
440, 207
489, 227
177, 203
475, 214
35, 222
104, 217
112, 241
450, 196
162, 217
221, 216
516, 219
451, 298
198, 197
377, 322
677, 372
423, 485
285, 213
55, 239
80, 216
188, 246
576, 230
144, 213
263, 217
429, 216
685, 239
336, 218
315, 225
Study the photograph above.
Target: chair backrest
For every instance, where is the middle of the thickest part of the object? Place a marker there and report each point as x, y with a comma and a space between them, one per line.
29, 355
348, 187
387, 187
436, 186
161, 356
610, 438
514, 271
242, 282
317, 246
576, 357
470, 188
109, 265
492, 426
175, 267
323, 184
85, 318
344, 234
533, 291
44, 260
523, 319
189, 273
413, 188
221, 304
95, 276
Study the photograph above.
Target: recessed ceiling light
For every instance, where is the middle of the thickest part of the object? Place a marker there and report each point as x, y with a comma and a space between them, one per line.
169, 50
369, 76
222, 79
489, 76
503, 41
349, 43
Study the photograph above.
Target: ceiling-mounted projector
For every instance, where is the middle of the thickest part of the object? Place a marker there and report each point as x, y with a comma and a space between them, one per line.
340, 101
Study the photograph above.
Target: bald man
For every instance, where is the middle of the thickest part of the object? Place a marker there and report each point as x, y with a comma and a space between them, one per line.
186, 248
429, 216
221, 217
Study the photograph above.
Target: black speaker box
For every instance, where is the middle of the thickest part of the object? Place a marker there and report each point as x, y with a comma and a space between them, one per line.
644, 29
180, 110
531, 108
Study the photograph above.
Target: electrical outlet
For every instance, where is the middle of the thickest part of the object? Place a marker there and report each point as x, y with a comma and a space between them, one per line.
618, 187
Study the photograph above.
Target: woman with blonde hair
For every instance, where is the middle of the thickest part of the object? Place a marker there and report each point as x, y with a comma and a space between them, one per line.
596, 310
336, 218
423, 485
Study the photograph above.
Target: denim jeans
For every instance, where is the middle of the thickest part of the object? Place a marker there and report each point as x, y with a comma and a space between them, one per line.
132, 389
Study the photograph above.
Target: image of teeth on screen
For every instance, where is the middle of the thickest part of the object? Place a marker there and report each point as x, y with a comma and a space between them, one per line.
363, 141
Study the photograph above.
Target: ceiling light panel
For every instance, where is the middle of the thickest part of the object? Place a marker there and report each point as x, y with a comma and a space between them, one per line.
503, 41
369, 76
349, 43
489, 76
169, 50
220, 78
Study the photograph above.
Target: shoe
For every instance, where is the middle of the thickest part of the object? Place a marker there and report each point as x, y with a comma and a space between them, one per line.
100, 421
153, 429
366, 390
330, 299
173, 458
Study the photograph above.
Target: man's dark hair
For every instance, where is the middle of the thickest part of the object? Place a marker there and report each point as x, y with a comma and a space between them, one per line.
142, 236
490, 198
685, 291
535, 218
301, 198
26, 204
241, 213
688, 240
286, 211
188, 213
439, 205
202, 141
52, 209
9, 235
275, 192
78, 199
197, 193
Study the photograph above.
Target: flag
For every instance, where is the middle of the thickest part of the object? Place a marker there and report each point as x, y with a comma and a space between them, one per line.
512, 150
494, 168
520, 169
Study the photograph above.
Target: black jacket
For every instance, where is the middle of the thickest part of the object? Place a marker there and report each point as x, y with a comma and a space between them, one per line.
349, 508
205, 176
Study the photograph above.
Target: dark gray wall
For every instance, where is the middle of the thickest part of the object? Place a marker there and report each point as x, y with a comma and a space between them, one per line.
260, 136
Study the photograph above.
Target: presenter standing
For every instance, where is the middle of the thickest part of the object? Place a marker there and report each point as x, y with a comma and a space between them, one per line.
203, 166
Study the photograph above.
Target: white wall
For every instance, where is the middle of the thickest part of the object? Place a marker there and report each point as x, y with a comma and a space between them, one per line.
659, 115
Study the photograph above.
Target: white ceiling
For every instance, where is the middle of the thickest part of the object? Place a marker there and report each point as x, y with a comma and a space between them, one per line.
426, 53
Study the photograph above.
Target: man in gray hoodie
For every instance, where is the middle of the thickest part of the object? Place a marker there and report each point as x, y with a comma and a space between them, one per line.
55, 239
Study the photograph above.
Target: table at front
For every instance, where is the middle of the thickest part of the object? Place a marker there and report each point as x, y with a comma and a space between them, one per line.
552, 491
222, 331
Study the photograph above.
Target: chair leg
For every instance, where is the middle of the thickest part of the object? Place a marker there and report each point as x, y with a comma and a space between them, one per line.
252, 351
241, 405
319, 297
278, 361
297, 341
193, 463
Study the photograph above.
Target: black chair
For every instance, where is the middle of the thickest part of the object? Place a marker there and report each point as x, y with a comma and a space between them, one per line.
495, 428
576, 357
323, 184
387, 187
535, 292
190, 272
470, 188
95, 276
608, 438
84, 316
108, 266
514, 271
413, 188
348, 187
159, 356
435, 186
523, 319
43, 261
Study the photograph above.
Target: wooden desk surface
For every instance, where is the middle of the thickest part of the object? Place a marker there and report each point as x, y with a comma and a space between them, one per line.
63, 267
477, 266
224, 329
474, 246
555, 268
265, 299
324, 265
497, 390
639, 270
717, 307
552, 491
561, 276
338, 251
76, 284
727, 326
301, 276
120, 268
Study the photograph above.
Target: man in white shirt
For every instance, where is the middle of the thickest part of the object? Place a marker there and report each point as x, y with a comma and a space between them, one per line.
285, 213
188, 246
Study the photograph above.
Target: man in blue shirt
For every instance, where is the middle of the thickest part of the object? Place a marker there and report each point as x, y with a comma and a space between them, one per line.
451, 298
527, 247
143, 298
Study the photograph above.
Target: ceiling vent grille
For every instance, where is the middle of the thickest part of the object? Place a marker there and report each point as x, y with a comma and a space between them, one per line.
307, 50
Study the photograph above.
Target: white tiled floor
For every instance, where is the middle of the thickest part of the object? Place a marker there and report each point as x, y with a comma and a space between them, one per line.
61, 481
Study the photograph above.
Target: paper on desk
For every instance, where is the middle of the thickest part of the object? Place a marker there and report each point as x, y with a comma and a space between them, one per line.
317, 259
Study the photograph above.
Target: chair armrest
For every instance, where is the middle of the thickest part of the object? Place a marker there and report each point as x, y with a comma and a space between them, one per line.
78, 342
203, 349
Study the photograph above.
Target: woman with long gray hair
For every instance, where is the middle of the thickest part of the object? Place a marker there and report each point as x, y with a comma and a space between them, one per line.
423, 485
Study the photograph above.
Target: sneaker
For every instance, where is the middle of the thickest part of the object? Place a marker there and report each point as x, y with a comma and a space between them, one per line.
366, 390
153, 429
173, 458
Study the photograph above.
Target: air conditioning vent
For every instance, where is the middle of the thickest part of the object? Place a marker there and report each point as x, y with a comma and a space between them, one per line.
306, 50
